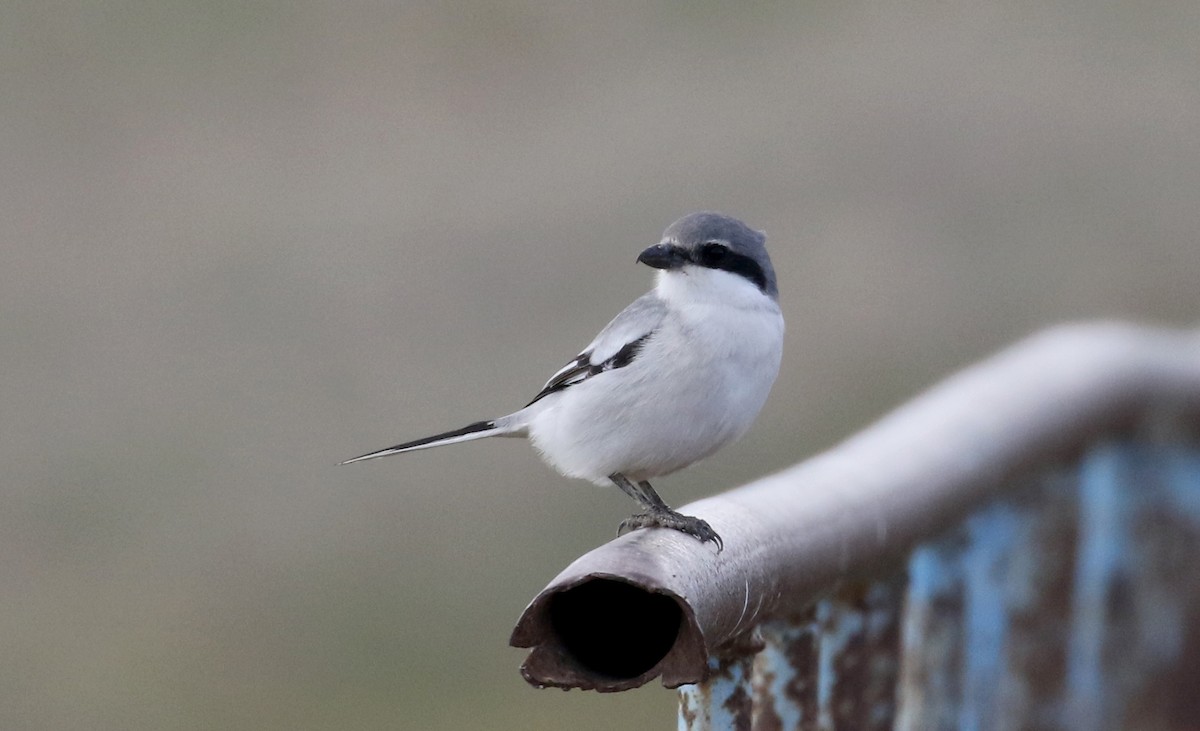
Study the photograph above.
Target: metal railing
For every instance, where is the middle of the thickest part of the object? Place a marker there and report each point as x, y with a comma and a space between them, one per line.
1019, 547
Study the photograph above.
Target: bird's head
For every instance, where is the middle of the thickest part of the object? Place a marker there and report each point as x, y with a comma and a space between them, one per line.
711, 241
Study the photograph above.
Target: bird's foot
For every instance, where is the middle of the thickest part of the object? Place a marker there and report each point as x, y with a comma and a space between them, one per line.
695, 527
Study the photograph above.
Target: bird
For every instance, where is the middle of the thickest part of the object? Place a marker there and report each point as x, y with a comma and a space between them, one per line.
681, 372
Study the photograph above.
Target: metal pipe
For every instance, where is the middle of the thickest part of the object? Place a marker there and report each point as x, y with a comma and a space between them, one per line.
659, 603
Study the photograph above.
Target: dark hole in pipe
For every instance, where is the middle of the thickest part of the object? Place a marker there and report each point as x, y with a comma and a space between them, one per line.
614, 629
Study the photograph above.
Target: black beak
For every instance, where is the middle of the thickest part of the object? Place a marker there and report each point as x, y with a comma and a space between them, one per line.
661, 256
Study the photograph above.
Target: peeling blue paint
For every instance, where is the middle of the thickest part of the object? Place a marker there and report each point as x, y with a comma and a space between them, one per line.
992, 538
721, 702
931, 637
775, 669
838, 626
1126, 622
1082, 576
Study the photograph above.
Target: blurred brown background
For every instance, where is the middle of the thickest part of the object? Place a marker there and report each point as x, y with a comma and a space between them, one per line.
244, 241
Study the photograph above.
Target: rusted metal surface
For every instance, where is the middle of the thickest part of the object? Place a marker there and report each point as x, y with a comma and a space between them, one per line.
860, 656
1073, 603
1135, 637
986, 615
932, 638
1038, 614
834, 667
850, 513
723, 701
785, 674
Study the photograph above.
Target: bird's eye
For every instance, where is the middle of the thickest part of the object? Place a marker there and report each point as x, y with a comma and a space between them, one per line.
712, 253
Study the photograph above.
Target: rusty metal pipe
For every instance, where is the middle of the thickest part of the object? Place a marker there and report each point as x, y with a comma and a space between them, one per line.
659, 603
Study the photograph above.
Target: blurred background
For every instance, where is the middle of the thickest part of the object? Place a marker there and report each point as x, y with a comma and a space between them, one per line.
244, 241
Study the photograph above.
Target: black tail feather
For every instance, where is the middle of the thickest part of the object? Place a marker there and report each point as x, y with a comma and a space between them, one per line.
424, 442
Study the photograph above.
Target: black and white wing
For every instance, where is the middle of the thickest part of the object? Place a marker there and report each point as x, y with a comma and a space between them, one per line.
617, 345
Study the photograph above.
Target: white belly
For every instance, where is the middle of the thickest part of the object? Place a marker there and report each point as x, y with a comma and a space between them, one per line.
690, 391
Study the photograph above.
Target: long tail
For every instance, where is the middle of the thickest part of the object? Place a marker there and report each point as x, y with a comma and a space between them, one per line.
478, 430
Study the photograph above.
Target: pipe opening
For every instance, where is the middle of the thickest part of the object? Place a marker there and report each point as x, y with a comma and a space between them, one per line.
614, 629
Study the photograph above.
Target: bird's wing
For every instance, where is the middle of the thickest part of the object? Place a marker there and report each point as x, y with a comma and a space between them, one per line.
615, 347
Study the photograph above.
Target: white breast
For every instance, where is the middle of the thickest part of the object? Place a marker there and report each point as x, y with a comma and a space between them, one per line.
697, 384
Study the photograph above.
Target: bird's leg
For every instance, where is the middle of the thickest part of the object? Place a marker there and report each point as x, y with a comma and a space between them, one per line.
659, 514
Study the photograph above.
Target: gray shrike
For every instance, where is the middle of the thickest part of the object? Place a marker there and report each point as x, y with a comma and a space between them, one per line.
680, 373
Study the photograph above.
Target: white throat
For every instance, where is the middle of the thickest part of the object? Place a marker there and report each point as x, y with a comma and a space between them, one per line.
694, 285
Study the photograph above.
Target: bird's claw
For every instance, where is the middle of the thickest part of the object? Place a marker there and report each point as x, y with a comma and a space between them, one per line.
695, 527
